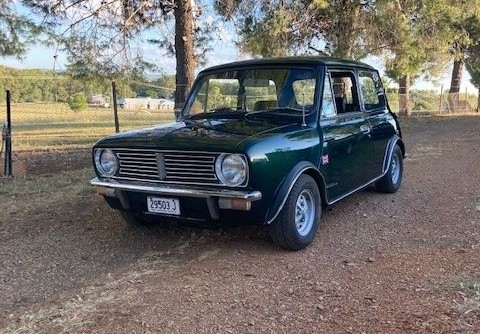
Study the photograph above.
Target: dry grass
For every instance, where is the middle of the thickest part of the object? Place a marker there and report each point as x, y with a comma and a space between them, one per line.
443, 114
47, 126
40, 126
39, 193
469, 291
78, 313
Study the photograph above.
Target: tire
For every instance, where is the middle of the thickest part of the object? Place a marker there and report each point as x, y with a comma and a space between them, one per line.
391, 181
296, 225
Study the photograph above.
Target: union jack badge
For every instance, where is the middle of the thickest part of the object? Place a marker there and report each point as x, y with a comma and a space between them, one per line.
325, 159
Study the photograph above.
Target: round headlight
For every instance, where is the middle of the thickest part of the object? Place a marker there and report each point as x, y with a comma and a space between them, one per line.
106, 162
231, 169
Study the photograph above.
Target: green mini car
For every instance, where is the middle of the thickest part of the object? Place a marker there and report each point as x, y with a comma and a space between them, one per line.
264, 141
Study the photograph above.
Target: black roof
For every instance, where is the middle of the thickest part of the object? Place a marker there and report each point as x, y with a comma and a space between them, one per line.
303, 60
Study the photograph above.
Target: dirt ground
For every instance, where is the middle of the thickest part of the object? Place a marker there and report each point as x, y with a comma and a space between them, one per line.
402, 263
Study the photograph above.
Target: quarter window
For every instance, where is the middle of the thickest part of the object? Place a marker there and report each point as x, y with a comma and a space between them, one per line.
328, 102
372, 91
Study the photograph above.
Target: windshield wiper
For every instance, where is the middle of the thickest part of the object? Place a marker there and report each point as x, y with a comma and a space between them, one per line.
219, 113
275, 111
288, 109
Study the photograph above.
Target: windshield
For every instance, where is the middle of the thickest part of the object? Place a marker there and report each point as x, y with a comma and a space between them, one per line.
281, 90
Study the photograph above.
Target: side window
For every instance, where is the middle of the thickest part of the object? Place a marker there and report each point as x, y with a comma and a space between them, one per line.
372, 91
345, 92
328, 102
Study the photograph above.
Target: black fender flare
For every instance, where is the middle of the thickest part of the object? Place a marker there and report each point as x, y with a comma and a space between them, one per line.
281, 195
395, 140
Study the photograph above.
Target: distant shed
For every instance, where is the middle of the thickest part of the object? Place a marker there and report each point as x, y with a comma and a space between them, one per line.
146, 103
98, 101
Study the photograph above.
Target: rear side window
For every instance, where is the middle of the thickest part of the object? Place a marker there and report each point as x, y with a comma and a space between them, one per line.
372, 92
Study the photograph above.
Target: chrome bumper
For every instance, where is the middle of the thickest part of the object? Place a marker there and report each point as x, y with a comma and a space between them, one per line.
178, 190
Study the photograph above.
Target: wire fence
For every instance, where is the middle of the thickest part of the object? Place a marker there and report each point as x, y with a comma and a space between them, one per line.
42, 118
432, 102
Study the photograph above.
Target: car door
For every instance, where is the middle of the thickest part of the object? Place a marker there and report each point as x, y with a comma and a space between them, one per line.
346, 159
374, 104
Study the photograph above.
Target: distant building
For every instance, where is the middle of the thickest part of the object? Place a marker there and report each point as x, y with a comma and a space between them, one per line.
98, 101
146, 103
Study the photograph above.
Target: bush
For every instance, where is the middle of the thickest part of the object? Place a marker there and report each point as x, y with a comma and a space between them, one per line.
151, 94
77, 102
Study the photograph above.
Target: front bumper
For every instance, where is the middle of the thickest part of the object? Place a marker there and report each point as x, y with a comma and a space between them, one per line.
215, 198
178, 190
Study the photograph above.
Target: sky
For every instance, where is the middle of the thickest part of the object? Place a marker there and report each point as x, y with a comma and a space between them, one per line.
224, 50
40, 57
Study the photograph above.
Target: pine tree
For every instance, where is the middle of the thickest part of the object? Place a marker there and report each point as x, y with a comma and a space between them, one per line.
416, 39
463, 17
100, 36
16, 30
285, 27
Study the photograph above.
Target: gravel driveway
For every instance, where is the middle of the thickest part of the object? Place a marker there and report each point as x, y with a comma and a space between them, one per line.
402, 263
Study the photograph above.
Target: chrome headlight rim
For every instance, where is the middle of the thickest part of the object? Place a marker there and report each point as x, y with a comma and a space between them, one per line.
106, 153
241, 173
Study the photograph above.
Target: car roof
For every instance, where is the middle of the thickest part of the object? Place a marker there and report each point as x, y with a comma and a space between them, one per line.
304, 60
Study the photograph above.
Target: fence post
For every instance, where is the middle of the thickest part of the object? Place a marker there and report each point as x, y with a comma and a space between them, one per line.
478, 98
115, 112
440, 107
7, 133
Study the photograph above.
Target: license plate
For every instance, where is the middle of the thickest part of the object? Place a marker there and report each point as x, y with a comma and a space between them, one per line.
169, 206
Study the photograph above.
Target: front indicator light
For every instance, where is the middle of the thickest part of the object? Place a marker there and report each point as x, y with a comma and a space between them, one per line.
234, 204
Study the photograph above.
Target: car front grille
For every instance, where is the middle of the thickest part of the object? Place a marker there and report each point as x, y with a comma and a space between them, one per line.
167, 166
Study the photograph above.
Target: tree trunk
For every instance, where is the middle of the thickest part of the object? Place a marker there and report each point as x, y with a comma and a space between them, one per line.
456, 75
184, 50
454, 92
346, 24
404, 96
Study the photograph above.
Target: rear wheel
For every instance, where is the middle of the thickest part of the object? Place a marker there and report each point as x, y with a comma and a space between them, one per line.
297, 223
391, 181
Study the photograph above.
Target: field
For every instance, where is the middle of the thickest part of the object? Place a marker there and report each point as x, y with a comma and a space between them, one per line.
54, 126
402, 263
45, 126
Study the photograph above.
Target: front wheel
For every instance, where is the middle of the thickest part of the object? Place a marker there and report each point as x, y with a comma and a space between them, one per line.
297, 223
391, 181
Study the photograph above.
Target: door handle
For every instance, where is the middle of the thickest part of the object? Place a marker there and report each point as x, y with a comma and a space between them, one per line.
365, 129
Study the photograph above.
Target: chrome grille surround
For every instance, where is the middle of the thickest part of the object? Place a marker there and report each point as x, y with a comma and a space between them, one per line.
166, 166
